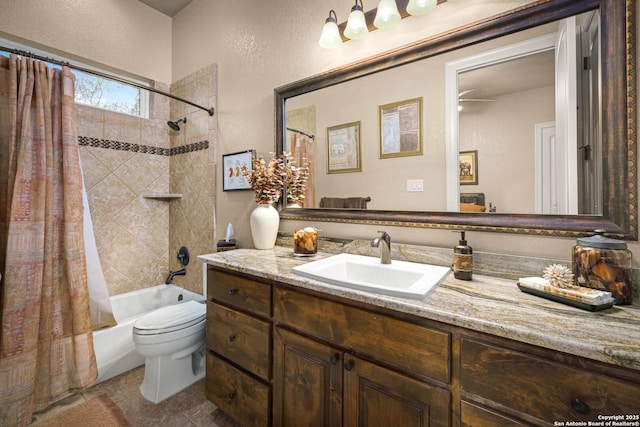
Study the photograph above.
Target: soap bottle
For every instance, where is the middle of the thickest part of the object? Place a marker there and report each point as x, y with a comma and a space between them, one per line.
462, 259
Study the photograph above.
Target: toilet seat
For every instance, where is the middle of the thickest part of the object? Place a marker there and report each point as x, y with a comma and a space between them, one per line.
171, 318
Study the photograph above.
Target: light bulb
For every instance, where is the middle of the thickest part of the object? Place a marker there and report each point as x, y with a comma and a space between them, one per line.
356, 24
387, 15
330, 37
420, 7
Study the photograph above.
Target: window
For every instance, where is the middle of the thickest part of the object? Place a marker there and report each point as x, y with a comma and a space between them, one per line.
110, 95
98, 91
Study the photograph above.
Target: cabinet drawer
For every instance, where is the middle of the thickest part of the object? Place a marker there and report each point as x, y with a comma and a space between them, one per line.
239, 337
547, 390
473, 415
416, 349
239, 292
245, 399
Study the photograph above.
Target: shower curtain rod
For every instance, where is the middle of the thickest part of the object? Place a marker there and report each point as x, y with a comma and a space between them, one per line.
301, 133
103, 75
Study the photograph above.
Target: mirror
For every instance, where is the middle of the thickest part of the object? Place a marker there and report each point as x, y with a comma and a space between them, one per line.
530, 116
616, 212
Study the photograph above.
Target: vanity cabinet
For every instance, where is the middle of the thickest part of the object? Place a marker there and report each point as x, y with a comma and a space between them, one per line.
287, 356
238, 378
335, 364
536, 389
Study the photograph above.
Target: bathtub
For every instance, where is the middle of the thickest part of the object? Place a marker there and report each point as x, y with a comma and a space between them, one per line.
115, 352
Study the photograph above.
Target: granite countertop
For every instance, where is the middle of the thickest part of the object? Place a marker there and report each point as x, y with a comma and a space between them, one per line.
485, 304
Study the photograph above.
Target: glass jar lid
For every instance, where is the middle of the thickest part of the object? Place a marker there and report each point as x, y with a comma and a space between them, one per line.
601, 241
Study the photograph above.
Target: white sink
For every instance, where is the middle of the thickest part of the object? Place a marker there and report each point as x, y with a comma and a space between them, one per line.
400, 278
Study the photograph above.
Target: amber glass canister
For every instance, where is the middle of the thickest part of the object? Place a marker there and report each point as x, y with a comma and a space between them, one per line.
305, 242
603, 263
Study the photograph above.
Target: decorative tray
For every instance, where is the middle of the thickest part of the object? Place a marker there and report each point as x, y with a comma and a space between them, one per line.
568, 301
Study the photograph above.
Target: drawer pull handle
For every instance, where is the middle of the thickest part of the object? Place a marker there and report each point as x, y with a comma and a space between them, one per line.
231, 395
334, 358
580, 406
232, 338
348, 366
233, 291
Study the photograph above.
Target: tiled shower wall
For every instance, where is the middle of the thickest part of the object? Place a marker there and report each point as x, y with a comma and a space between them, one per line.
191, 218
131, 231
125, 158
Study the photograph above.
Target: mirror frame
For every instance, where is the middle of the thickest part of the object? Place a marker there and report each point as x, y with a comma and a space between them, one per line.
618, 124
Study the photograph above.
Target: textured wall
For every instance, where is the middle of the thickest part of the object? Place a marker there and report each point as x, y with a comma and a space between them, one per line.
124, 35
275, 43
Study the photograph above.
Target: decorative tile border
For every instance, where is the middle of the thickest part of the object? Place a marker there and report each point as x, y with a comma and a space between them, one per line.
139, 148
196, 146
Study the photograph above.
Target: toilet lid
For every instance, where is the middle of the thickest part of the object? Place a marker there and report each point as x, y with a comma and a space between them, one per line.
171, 318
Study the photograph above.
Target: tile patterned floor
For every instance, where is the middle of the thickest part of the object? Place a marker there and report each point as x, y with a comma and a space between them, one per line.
189, 408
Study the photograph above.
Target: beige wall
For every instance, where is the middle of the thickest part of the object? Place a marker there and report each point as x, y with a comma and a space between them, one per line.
124, 35
502, 133
274, 43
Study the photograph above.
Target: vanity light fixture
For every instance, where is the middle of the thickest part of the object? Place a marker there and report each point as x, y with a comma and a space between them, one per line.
330, 38
356, 24
387, 15
420, 7
360, 23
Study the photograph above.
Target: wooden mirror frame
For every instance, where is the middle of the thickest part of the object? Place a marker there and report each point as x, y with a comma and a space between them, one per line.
618, 123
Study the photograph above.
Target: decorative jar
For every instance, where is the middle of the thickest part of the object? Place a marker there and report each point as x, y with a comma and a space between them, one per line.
305, 242
603, 263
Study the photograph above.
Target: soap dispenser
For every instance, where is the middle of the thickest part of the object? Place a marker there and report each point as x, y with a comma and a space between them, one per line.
462, 259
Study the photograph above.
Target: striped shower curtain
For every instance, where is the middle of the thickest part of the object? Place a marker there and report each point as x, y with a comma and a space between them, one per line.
46, 345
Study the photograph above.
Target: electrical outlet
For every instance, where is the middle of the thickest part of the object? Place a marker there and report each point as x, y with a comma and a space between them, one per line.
415, 185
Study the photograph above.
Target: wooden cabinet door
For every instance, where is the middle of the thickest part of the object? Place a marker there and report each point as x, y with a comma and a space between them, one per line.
307, 383
376, 396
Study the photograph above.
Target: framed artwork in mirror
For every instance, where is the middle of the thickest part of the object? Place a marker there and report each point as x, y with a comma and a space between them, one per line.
469, 167
232, 165
343, 148
401, 128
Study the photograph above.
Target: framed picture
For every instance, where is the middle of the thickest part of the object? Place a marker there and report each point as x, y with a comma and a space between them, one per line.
469, 167
401, 128
343, 148
232, 164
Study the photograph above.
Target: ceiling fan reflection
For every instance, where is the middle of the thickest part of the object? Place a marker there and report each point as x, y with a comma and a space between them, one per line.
461, 98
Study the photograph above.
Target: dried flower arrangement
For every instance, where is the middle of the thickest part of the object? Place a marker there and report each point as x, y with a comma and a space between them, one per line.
296, 181
267, 179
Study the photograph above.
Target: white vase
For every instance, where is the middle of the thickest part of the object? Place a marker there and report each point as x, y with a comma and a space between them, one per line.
265, 221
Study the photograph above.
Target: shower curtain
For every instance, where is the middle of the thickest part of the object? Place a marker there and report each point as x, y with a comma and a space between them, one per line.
303, 152
46, 345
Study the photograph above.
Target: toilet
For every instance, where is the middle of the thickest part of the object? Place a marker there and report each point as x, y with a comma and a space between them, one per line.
172, 341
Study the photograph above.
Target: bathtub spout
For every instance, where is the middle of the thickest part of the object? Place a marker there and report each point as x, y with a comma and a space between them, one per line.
173, 274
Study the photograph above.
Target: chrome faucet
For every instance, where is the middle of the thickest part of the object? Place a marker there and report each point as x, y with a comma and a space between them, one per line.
173, 274
385, 248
